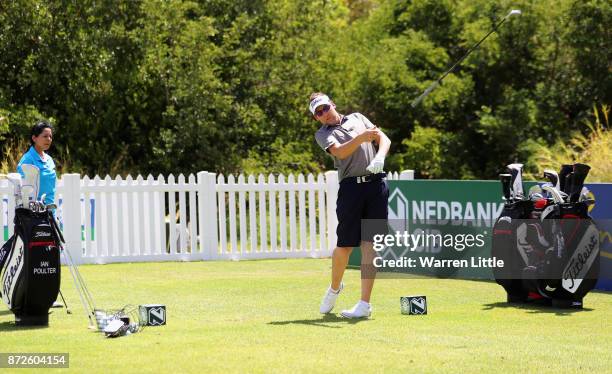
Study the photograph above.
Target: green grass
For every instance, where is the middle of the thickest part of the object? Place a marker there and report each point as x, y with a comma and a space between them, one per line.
262, 316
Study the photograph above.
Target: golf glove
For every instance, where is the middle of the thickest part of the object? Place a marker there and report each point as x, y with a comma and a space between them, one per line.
377, 165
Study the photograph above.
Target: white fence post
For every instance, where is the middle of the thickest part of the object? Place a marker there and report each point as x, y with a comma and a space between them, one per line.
207, 214
406, 175
71, 214
331, 189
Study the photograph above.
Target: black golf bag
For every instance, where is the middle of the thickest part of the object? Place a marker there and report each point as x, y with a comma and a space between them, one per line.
30, 267
550, 250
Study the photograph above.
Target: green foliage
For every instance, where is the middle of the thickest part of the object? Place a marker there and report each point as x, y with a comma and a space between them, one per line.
425, 151
593, 148
151, 86
434, 153
288, 158
505, 129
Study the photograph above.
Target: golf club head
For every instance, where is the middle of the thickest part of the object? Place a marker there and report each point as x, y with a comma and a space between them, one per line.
514, 12
554, 193
548, 195
565, 170
585, 198
536, 196
580, 173
552, 177
516, 171
535, 191
505, 181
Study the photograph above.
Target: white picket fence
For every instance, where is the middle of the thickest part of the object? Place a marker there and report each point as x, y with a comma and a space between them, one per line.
203, 217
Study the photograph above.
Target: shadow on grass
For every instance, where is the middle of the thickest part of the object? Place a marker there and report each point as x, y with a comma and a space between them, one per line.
321, 322
535, 308
10, 326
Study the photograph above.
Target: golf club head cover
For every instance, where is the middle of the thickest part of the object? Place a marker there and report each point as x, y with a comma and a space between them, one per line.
516, 171
552, 177
580, 173
505, 179
565, 170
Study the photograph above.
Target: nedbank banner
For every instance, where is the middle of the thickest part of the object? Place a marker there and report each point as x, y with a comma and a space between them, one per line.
444, 228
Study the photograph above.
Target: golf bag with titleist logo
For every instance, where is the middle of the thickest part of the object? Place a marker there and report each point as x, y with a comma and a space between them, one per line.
550, 246
30, 267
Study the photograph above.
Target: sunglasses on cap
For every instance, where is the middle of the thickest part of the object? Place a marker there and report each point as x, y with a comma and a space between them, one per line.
322, 110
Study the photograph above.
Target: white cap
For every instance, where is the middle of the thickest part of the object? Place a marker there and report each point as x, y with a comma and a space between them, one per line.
318, 101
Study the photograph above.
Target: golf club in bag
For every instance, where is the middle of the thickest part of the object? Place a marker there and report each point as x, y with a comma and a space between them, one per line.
549, 245
29, 261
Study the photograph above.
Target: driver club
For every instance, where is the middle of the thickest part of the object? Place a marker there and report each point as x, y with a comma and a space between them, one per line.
438, 81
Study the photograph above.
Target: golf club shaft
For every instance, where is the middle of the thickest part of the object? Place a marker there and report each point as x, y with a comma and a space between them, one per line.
83, 285
86, 307
438, 81
74, 271
87, 311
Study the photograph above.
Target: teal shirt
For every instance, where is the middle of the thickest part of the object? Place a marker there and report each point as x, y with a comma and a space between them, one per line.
47, 173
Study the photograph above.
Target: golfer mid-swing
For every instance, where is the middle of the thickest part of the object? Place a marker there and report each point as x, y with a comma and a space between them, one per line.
363, 194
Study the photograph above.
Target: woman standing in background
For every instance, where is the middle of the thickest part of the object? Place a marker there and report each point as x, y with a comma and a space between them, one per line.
41, 139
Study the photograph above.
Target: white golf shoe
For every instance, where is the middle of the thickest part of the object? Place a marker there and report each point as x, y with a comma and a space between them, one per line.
329, 300
360, 310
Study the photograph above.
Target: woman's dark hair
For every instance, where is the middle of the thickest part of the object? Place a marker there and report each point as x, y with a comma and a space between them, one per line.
38, 128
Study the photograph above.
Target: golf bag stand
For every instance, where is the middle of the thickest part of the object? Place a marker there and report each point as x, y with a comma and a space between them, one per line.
30, 268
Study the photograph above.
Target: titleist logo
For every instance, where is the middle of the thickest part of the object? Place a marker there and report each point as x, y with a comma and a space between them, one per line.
10, 276
578, 260
42, 234
3, 253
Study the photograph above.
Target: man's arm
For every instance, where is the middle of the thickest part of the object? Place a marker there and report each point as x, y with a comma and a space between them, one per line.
384, 143
377, 165
344, 150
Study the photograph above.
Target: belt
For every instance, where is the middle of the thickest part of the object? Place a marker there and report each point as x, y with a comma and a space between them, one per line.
364, 178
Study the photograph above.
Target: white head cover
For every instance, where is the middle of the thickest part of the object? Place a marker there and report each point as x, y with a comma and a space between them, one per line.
318, 101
